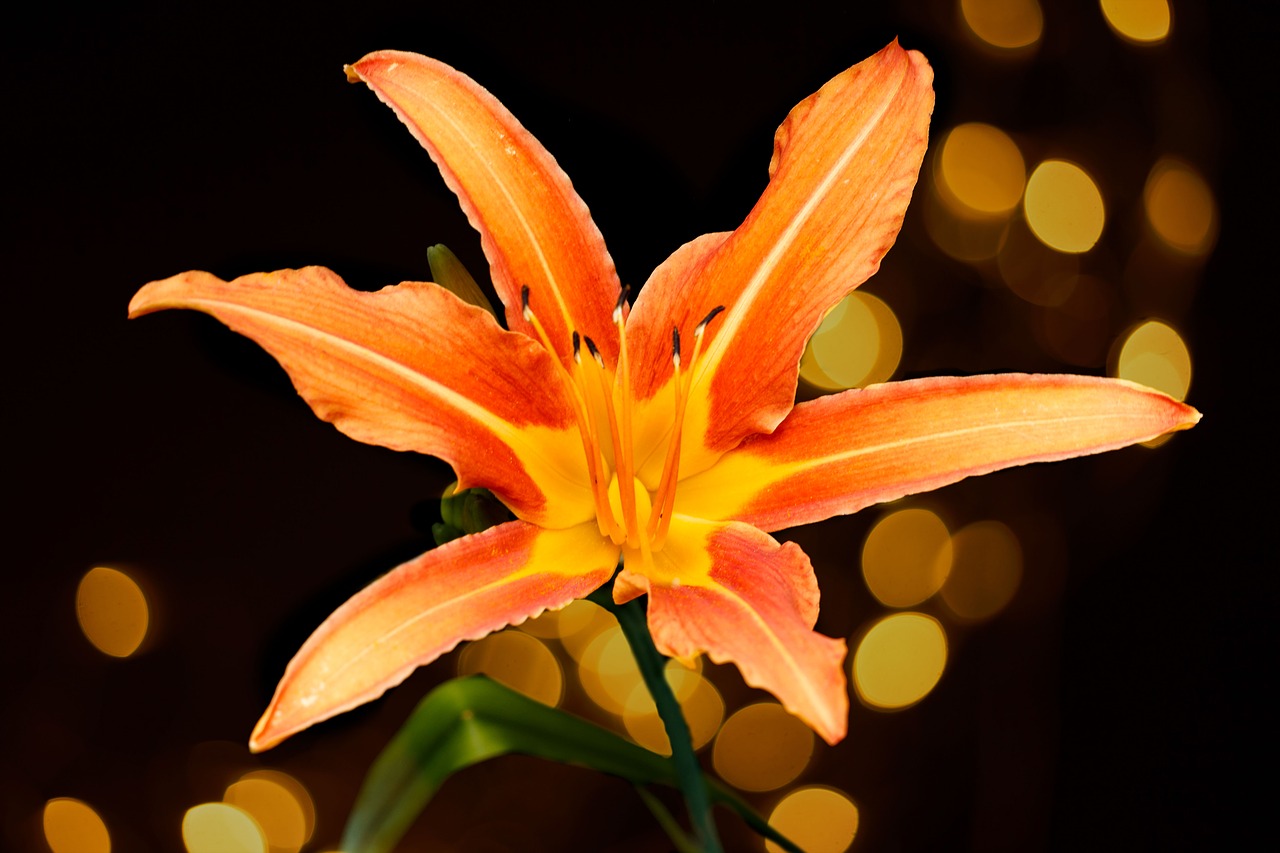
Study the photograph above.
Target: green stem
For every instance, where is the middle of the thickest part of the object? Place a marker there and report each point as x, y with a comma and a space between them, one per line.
631, 617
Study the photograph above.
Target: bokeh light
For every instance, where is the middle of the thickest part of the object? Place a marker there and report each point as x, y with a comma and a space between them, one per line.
1180, 207
899, 660
906, 557
112, 611
1008, 24
979, 170
72, 826
699, 700
608, 670
818, 819
580, 623
761, 748
1139, 21
1080, 330
279, 804
1155, 355
568, 620
221, 828
985, 572
1064, 207
519, 661
858, 343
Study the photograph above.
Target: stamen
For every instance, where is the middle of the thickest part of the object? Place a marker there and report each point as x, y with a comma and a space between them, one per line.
604, 512
665, 498
623, 463
586, 425
626, 488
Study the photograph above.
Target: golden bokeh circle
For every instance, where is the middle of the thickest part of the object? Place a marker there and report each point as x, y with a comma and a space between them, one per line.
1063, 207
519, 661
980, 169
1007, 24
1154, 354
761, 748
1180, 207
817, 818
906, 557
1138, 21
899, 660
858, 343
72, 826
279, 804
985, 572
112, 611
221, 828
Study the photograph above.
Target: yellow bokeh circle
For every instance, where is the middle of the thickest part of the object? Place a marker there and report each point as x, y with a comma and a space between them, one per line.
761, 747
1180, 207
858, 343
519, 661
817, 818
1139, 21
72, 826
979, 169
1064, 207
112, 611
906, 557
1008, 24
899, 660
1154, 354
221, 828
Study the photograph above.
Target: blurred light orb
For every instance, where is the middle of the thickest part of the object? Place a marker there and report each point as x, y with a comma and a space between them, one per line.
72, 826
1180, 207
1009, 24
906, 557
112, 611
899, 660
580, 624
1138, 21
1064, 207
818, 819
986, 570
701, 703
557, 624
761, 748
858, 343
1154, 354
519, 661
608, 671
980, 170
279, 804
221, 828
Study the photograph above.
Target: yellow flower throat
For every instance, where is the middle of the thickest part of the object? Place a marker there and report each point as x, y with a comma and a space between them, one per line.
626, 511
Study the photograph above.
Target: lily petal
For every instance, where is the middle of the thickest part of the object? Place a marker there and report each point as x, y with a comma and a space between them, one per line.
734, 592
844, 165
463, 590
411, 367
534, 228
839, 454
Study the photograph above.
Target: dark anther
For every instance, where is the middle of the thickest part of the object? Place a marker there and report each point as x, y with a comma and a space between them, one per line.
524, 297
711, 316
577, 343
591, 347
675, 343
622, 298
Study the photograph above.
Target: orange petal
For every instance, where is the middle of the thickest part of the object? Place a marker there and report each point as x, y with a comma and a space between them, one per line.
732, 591
410, 367
838, 454
534, 228
422, 609
844, 166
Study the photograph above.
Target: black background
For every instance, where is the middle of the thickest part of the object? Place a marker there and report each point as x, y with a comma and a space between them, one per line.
1113, 706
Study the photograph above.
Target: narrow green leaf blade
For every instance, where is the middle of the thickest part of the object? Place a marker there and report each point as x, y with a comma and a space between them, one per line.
469, 720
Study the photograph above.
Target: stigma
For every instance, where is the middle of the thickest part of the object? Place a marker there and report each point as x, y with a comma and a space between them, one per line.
632, 515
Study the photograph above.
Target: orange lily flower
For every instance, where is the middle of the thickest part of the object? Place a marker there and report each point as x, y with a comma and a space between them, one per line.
663, 433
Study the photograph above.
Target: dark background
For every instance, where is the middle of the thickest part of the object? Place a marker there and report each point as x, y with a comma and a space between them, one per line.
1114, 705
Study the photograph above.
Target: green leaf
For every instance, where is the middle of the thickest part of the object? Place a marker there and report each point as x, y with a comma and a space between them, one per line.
448, 272
469, 720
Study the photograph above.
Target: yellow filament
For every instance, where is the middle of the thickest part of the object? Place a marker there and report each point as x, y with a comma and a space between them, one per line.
666, 486
666, 497
623, 462
586, 431
604, 511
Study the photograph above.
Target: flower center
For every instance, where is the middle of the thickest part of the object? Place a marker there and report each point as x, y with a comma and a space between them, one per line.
625, 510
